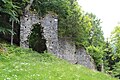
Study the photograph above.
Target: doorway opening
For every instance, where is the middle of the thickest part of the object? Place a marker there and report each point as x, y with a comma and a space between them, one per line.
36, 39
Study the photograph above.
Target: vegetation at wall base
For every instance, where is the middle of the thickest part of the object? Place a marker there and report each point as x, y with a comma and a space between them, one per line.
24, 64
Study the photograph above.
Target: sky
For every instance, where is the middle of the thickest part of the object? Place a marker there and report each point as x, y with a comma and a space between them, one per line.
106, 10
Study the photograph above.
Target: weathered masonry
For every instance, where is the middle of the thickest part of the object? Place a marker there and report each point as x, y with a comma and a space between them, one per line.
62, 48
49, 26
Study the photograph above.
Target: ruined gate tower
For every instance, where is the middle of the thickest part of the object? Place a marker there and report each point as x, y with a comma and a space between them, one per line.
50, 30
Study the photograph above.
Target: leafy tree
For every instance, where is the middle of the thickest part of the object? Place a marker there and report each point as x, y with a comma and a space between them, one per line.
96, 37
8, 11
116, 70
96, 41
115, 41
108, 58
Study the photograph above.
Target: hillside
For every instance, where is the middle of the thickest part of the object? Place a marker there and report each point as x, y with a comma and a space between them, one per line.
24, 64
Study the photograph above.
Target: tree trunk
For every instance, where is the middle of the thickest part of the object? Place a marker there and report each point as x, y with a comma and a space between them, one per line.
102, 67
12, 34
29, 5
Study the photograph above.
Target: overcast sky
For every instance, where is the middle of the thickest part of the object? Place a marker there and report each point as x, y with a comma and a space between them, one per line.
107, 10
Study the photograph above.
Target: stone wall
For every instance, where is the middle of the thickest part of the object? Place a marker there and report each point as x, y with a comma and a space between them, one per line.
62, 48
50, 32
84, 59
69, 52
26, 23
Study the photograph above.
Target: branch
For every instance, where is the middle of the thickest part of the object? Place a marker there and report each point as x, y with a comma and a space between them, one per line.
29, 5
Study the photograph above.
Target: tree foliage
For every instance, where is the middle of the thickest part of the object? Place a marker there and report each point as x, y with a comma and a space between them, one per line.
115, 41
8, 12
96, 43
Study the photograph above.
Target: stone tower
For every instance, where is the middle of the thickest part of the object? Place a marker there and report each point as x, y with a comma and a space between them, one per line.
49, 25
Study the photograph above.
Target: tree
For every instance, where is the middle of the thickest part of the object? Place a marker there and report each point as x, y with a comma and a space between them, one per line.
7, 11
115, 41
96, 41
116, 70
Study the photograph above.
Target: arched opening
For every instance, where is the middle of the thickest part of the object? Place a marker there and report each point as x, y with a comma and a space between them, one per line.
36, 39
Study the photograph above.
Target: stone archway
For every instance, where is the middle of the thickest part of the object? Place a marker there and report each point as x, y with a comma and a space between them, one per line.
36, 40
49, 25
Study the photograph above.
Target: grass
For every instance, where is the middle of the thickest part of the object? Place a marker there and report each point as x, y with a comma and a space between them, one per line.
24, 64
